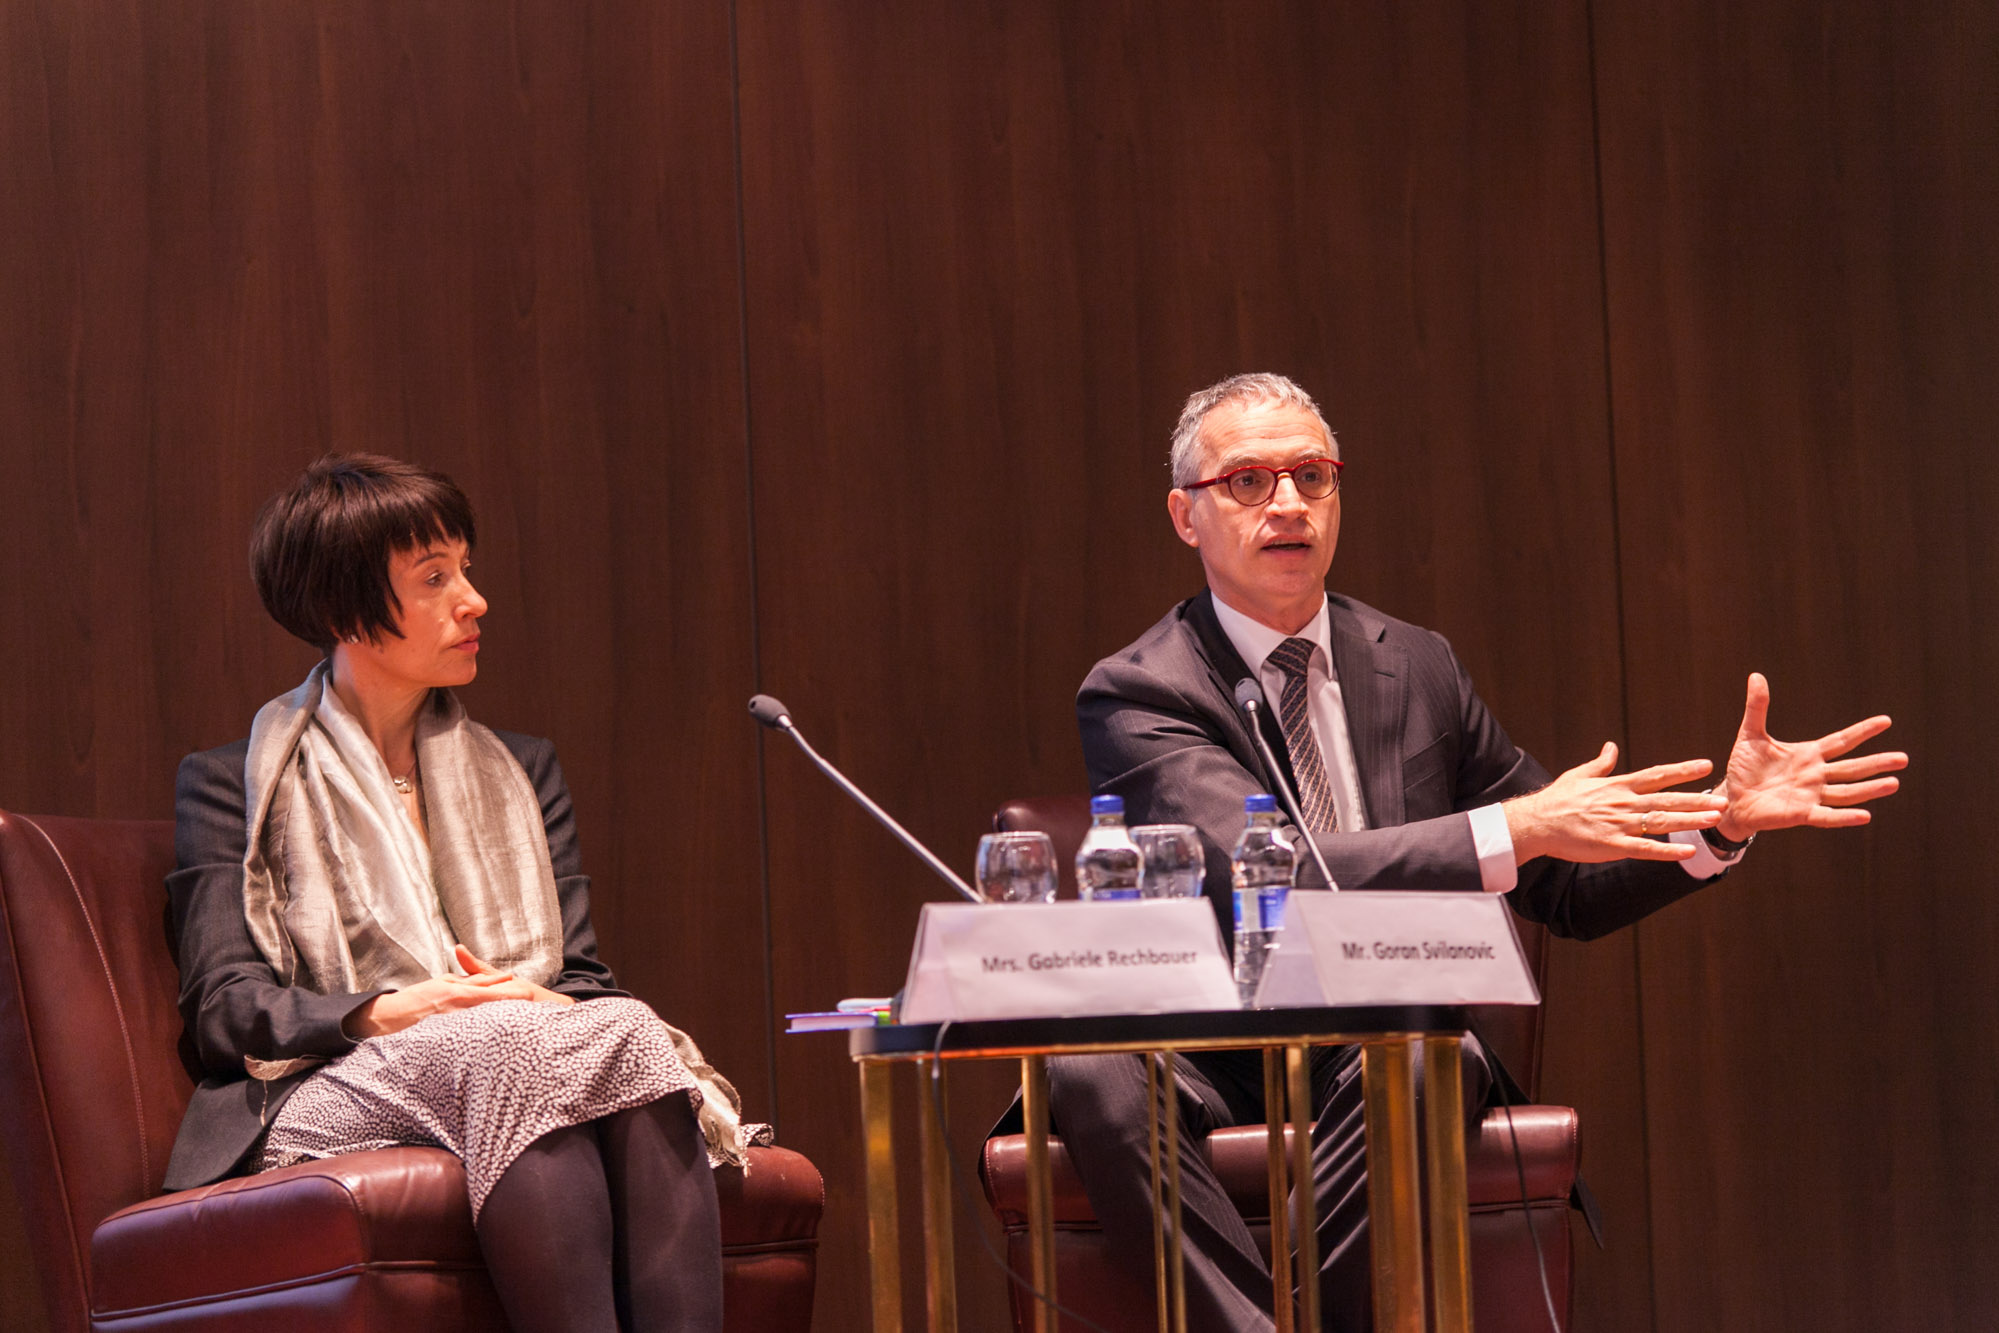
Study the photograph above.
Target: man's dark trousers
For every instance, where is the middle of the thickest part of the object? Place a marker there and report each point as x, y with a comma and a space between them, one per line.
1097, 1104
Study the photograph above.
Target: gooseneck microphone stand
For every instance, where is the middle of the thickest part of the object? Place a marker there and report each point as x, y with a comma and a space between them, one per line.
1250, 699
777, 717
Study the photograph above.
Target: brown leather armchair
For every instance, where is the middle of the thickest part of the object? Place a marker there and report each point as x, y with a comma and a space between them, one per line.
1506, 1283
91, 1092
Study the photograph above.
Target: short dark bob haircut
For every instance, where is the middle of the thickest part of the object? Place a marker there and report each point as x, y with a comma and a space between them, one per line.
320, 551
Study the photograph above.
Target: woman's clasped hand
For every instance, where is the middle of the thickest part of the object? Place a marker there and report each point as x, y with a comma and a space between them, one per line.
481, 984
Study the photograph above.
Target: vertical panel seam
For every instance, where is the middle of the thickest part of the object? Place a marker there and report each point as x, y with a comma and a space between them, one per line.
1623, 644
750, 543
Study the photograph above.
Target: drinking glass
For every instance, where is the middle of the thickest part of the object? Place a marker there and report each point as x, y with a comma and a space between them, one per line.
1171, 863
1016, 868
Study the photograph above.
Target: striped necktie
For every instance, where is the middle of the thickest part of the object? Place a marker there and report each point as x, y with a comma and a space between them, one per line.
1294, 713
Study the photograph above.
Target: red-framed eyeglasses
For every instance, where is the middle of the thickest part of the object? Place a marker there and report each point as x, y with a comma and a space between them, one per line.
1315, 478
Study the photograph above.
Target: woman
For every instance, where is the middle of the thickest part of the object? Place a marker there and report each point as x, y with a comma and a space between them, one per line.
384, 936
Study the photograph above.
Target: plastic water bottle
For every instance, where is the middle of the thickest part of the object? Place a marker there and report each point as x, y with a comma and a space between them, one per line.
1263, 869
1107, 862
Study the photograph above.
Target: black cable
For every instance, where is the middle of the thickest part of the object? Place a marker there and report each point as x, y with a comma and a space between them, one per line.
1526, 1208
964, 1189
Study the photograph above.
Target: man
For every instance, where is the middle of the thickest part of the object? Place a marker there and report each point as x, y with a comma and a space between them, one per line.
1408, 783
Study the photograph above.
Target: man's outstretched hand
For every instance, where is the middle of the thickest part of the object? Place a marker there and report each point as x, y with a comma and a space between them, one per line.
1592, 814
1775, 784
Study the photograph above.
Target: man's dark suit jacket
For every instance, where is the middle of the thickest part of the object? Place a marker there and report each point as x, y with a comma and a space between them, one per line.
1161, 729
232, 1002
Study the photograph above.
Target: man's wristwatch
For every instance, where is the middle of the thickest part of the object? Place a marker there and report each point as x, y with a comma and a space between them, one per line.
1726, 848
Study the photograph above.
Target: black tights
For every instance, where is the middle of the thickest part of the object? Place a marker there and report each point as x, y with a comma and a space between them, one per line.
609, 1225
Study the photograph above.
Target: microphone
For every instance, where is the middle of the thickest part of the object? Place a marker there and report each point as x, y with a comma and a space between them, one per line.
1250, 699
777, 717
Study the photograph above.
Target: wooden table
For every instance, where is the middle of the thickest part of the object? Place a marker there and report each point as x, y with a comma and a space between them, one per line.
1400, 1236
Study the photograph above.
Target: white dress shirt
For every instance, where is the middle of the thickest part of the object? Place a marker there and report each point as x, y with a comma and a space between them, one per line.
1492, 839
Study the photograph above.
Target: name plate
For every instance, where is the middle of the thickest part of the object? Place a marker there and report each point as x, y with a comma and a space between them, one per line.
1396, 948
1066, 959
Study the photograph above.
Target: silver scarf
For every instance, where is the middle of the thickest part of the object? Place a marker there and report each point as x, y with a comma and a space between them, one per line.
341, 893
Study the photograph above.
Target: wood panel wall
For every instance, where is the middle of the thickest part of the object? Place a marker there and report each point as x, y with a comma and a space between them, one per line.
1799, 203
831, 350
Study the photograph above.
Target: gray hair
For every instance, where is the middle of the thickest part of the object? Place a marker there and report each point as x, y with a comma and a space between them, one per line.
1185, 457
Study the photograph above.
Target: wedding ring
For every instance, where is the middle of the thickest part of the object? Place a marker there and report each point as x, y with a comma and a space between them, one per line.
1645, 824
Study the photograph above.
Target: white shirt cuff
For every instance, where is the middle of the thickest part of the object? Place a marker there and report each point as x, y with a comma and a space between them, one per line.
1494, 843
1706, 862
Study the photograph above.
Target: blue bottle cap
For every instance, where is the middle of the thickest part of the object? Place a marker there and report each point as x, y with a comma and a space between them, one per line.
1259, 804
1107, 805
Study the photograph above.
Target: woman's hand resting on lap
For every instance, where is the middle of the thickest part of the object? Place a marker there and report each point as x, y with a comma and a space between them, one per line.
484, 983
478, 972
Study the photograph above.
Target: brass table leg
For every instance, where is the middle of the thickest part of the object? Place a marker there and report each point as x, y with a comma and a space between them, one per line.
1394, 1205
1152, 1112
884, 1246
940, 1270
1450, 1209
1177, 1251
1298, 1069
1280, 1202
1040, 1207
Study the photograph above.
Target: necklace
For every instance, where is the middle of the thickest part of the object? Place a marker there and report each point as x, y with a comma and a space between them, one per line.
405, 784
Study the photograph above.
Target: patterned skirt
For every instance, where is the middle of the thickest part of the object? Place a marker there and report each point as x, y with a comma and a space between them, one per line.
483, 1083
